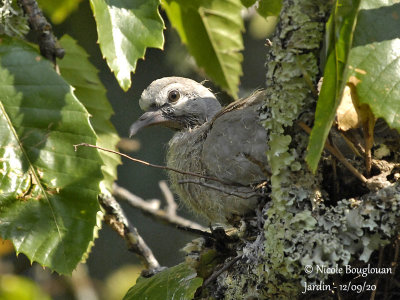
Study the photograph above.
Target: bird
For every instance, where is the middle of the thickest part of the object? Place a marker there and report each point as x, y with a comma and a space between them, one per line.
220, 151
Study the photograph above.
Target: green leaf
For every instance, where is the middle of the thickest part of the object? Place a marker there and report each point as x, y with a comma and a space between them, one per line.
48, 192
212, 31
267, 8
125, 29
58, 11
82, 75
374, 60
14, 287
248, 3
340, 29
179, 282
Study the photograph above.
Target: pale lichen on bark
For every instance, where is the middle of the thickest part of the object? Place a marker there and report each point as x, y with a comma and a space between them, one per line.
292, 75
293, 72
299, 229
302, 225
12, 19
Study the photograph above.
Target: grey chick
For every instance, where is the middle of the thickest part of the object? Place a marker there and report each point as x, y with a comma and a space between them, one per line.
226, 144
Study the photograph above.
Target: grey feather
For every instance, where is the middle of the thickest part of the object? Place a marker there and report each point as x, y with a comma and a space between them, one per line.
227, 144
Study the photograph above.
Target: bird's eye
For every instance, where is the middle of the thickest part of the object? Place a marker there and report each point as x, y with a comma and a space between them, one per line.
173, 96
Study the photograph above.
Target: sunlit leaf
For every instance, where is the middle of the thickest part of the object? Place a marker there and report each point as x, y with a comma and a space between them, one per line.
268, 8
179, 282
212, 31
374, 61
340, 30
248, 3
125, 29
48, 192
58, 11
82, 75
14, 287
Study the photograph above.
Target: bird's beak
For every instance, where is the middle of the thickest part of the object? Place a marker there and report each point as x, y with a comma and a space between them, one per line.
148, 119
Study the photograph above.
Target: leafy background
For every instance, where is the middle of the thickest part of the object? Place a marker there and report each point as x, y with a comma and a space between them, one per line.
212, 32
366, 56
109, 252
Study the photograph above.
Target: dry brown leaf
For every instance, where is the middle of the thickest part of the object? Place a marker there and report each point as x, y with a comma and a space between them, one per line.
346, 114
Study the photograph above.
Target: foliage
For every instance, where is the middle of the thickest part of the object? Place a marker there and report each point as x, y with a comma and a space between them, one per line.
366, 56
265, 7
48, 202
12, 21
212, 32
179, 282
16, 287
58, 11
125, 29
82, 75
49, 191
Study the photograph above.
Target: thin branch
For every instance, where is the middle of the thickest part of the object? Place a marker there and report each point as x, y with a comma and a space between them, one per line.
169, 198
334, 151
373, 294
202, 233
82, 285
215, 275
395, 261
48, 44
220, 189
116, 218
157, 214
150, 164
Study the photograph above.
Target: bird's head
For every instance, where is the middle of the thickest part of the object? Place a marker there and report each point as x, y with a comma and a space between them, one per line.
177, 103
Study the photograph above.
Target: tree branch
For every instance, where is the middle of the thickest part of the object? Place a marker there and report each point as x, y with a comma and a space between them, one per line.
150, 164
243, 195
116, 218
156, 213
48, 44
169, 198
224, 268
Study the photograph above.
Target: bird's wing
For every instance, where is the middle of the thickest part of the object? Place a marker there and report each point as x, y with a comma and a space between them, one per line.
235, 147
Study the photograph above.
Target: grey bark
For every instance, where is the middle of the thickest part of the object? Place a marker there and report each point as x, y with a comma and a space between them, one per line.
301, 227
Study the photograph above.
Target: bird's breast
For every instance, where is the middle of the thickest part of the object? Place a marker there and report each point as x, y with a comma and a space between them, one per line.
205, 197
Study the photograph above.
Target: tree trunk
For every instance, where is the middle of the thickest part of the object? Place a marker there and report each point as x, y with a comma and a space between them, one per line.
303, 230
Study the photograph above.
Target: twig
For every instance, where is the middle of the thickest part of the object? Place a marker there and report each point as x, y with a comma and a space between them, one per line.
373, 294
220, 271
169, 198
202, 233
337, 284
334, 151
157, 214
115, 217
394, 262
231, 193
82, 284
48, 44
149, 164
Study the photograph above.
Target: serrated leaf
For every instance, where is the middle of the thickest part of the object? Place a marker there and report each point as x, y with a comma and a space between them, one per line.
179, 282
267, 8
340, 29
48, 192
58, 11
212, 31
125, 29
82, 75
248, 3
374, 60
